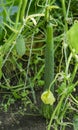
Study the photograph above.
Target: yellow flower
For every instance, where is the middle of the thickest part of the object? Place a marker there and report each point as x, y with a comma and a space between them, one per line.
47, 97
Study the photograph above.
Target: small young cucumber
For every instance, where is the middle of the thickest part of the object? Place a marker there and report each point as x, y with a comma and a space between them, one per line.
20, 46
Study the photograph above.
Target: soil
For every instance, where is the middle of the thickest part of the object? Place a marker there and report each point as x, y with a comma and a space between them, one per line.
16, 120
9, 121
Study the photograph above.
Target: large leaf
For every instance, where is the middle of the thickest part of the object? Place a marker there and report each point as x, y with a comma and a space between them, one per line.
72, 36
75, 122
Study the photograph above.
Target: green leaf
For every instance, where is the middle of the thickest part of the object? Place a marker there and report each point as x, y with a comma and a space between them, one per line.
75, 122
61, 88
72, 36
23, 94
16, 95
20, 46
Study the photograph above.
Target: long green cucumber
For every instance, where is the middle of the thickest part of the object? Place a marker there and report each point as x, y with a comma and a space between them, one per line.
49, 68
49, 57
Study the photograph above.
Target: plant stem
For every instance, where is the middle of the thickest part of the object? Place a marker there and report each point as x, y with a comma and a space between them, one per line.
68, 62
65, 30
18, 14
24, 4
74, 71
56, 111
64, 13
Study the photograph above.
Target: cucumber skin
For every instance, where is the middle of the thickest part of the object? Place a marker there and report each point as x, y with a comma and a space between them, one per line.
49, 57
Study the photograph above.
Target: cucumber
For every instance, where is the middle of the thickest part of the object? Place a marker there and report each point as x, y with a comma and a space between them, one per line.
49, 57
49, 68
20, 46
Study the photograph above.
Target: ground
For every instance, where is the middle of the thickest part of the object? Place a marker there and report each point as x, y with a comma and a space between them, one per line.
9, 121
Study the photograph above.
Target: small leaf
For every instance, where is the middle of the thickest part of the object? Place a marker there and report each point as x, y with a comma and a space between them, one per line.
20, 46
72, 36
47, 97
75, 122
61, 88
16, 95
23, 94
